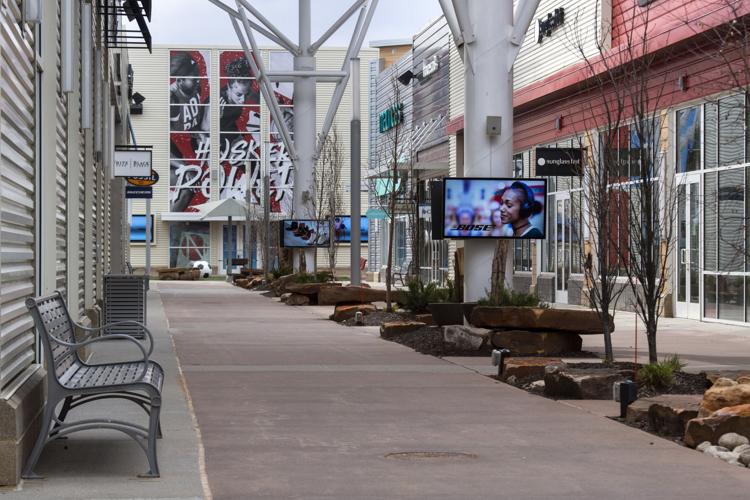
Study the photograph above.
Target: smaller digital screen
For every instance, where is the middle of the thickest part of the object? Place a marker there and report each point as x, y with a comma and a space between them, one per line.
342, 229
305, 233
494, 208
138, 229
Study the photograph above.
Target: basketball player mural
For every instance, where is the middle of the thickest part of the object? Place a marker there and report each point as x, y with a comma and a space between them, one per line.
189, 125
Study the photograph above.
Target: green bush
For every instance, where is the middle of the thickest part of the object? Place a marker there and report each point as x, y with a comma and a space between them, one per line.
511, 298
420, 294
319, 277
279, 272
659, 375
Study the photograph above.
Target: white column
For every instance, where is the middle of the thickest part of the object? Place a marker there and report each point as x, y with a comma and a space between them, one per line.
304, 127
488, 92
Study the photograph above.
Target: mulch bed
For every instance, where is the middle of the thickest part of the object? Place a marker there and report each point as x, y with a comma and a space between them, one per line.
429, 340
377, 318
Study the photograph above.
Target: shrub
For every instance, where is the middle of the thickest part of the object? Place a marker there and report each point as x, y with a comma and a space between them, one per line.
282, 271
420, 294
660, 375
504, 297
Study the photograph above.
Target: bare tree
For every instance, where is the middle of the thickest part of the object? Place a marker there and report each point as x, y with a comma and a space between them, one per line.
391, 155
328, 200
628, 195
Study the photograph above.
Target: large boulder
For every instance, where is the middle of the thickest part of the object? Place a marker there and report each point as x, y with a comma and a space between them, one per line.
526, 343
333, 295
392, 328
637, 412
725, 392
669, 414
561, 382
528, 368
278, 286
466, 338
426, 318
714, 375
308, 288
730, 419
348, 311
297, 299
579, 321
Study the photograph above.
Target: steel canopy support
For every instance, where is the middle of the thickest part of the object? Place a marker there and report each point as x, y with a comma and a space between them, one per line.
257, 27
335, 26
491, 33
288, 44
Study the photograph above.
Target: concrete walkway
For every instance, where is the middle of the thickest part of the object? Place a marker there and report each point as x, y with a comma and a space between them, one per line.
291, 405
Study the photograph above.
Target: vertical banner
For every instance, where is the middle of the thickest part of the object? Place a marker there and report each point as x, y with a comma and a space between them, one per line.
189, 129
239, 123
282, 179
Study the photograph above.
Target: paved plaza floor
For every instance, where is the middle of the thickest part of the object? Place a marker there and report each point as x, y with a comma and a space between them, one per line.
292, 406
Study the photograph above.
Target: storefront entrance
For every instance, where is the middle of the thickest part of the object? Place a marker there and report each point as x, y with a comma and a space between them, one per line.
227, 245
563, 236
688, 253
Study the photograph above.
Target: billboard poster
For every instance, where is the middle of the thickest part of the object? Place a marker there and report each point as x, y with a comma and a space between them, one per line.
305, 233
239, 123
189, 128
495, 208
282, 177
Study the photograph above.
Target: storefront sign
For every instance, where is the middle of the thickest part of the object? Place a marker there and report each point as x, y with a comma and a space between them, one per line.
559, 162
391, 117
547, 25
131, 162
138, 192
431, 66
144, 181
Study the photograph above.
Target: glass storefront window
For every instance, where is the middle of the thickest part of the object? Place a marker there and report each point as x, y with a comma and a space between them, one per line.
709, 296
732, 220
731, 298
732, 130
710, 139
689, 139
710, 259
188, 242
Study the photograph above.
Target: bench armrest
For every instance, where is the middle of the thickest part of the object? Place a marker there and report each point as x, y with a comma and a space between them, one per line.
74, 346
143, 327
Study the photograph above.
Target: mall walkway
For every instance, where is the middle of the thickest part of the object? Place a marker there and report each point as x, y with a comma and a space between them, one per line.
291, 405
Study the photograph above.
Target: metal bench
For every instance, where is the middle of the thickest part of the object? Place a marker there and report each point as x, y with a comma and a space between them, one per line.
73, 382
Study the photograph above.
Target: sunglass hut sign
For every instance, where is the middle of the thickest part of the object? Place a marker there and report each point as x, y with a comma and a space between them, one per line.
391, 117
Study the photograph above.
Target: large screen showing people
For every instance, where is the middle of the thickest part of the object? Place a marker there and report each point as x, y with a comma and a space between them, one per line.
305, 233
342, 229
495, 208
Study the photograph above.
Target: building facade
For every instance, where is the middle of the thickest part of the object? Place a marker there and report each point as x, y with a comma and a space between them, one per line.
213, 137
697, 61
65, 105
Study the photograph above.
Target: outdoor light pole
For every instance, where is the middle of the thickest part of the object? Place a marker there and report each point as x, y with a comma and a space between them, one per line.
355, 190
489, 36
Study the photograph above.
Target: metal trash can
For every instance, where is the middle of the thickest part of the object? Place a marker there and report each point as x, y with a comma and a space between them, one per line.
125, 299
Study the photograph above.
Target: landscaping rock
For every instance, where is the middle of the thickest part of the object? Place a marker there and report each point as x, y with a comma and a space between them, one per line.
285, 296
637, 412
427, 319
744, 458
466, 338
532, 318
725, 392
732, 440
344, 312
573, 383
297, 299
278, 287
525, 343
742, 449
714, 451
536, 387
308, 288
528, 368
714, 375
353, 294
669, 414
393, 328
728, 456
730, 419
703, 446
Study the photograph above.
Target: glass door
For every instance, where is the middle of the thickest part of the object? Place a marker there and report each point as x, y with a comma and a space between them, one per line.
688, 247
562, 245
227, 245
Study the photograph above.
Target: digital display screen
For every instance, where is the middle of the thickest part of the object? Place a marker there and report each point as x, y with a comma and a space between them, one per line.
342, 229
494, 208
305, 233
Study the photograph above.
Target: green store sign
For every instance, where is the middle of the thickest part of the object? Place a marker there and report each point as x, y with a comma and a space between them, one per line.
391, 117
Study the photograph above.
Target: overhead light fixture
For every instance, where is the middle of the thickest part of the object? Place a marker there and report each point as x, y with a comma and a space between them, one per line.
136, 107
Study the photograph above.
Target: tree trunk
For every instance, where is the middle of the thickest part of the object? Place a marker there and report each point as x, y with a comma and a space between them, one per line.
389, 266
608, 355
651, 337
499, 259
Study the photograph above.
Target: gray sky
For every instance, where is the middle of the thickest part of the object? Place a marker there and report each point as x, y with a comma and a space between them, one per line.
200, 22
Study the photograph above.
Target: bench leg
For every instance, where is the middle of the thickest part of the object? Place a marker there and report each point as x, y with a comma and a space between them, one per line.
47, 419
153, 433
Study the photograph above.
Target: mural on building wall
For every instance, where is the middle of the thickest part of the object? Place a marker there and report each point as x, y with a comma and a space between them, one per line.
239, 123
189, 126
